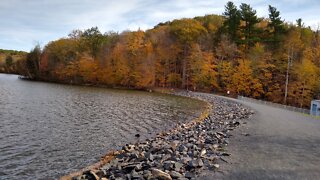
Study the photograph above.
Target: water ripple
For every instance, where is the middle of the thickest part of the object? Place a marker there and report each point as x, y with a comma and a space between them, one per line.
49, 130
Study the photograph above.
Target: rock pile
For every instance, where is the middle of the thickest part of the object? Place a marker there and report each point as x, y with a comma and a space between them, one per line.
181, 153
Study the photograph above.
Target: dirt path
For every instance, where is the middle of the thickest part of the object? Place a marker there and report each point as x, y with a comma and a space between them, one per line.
274, 144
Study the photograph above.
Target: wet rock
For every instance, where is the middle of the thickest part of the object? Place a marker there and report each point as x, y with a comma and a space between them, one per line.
101, 173
87, 175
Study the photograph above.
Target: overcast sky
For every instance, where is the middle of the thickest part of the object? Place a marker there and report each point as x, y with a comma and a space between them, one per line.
23, 23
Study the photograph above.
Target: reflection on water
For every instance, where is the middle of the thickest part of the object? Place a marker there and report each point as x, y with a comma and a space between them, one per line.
49, 130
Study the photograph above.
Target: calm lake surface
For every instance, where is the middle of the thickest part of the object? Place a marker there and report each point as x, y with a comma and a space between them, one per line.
48, 130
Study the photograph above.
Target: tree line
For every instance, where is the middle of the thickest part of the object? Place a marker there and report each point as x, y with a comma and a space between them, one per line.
9, 59
263, 58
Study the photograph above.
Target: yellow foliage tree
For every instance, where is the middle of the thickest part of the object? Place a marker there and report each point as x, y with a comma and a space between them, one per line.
243, 81
202, 69
307, 78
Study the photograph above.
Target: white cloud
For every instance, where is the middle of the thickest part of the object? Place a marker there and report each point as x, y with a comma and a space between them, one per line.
25, 22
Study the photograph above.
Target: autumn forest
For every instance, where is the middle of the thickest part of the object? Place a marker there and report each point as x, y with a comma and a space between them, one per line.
264, 58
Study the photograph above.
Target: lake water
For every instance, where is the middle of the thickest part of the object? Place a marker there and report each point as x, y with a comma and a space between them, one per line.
48, 130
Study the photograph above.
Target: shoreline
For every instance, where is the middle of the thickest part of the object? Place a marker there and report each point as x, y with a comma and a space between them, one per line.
112, 154
207, 117
134, 160
163, 90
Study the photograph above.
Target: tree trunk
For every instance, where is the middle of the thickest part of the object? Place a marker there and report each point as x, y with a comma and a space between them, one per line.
184, 67
302, 98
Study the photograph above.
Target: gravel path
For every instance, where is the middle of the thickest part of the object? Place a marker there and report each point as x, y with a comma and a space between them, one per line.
275, 144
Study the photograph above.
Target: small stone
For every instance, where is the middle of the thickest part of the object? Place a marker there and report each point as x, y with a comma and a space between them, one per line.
215, 146
190, 175
90, 175
147, 174
208, 141
128, 147
160, 174
225, 141
134, 154
200, 163
216, 166
165, 157
195, 153
149, 156
212, 158
121, 156
177, 166
185, 160
237, 123
246, 134
193, 164
135, 175
168, 165
138, 167
130, 167
222, 134
225, 154
183, 148
101, 173
174, 145
175, 174
189, 145
203, 152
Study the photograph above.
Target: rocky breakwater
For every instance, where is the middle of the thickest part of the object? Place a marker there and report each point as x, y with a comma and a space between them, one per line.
181, 153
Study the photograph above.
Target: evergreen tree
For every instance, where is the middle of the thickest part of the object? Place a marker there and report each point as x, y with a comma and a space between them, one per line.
300, 24
232, 22
248, 15
92, 40
276, 25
